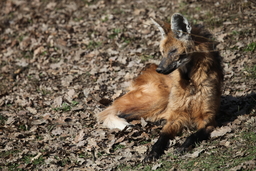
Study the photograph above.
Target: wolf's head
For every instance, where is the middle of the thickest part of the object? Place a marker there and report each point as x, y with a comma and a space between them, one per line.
176, 43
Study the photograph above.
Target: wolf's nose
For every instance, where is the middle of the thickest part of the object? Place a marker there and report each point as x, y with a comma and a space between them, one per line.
159, 70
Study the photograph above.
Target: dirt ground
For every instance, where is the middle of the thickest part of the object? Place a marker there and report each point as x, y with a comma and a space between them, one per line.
61, 62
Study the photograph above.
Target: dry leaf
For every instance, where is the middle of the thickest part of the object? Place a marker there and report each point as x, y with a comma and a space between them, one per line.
57, 102
38, 50
221, 132
57, 131
141, 149
31, 110
117, 94
195, 154
80, 136
156, 166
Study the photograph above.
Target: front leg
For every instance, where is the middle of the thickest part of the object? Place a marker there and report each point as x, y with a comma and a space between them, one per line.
171, 129
203, 133
158, 148
192, 140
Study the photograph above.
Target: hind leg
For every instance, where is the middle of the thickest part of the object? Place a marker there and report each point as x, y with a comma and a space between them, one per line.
141, 103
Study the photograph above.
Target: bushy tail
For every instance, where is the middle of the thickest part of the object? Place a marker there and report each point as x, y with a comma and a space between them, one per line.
110, 119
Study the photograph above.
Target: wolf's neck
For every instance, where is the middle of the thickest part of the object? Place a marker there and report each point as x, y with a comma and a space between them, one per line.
186, 70
196, 70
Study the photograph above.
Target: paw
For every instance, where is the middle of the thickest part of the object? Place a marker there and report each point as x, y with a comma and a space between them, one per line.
181, 150
151, 157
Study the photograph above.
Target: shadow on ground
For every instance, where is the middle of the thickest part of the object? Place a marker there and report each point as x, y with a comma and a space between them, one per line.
231, 107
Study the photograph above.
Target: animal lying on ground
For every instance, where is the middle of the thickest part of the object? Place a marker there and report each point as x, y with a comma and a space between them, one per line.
184, 89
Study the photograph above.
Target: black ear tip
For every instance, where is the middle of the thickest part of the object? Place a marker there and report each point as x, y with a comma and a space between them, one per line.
177, 15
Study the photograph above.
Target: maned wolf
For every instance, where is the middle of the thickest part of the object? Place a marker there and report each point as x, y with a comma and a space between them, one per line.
184, 89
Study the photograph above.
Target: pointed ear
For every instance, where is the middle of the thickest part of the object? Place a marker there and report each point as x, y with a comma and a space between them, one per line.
162, 26
180, 26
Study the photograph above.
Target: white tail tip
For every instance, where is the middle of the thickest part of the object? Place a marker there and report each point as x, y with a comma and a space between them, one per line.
113, 121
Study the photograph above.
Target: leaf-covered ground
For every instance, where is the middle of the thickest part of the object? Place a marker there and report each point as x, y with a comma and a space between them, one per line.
61, 62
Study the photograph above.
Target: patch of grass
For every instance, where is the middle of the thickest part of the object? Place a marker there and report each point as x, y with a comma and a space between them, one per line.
30, 77
44, 53
44, 92
209, 14
115, 33
13, 167
219, 158
38, 161
63, 162
117, 30
89, 2
245, 32
183, 6
118, 11
23, 127
251, 71
30, 21
38, 137
145, 58
235, 48
20, 38
74, 103
9, 153
251, 47
65, 107
140, 167
127, 40
118, 146
214, 22
81, 156
28, 159
54, 59
99, 154
88, 74
2, 119
91, 33
27, 54
198, 9
78, 19
249, 136
50, 127
235, 33
93, 45
104, 19
144, 142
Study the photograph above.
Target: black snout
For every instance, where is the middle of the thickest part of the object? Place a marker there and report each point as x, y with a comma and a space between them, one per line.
166, 70
159, 70
166, 66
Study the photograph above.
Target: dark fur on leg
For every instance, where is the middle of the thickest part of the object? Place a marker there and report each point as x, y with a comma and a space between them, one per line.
194, 139
158, 148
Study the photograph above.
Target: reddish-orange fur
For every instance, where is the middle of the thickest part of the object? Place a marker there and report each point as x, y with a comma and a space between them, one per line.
189, 96
147, 97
